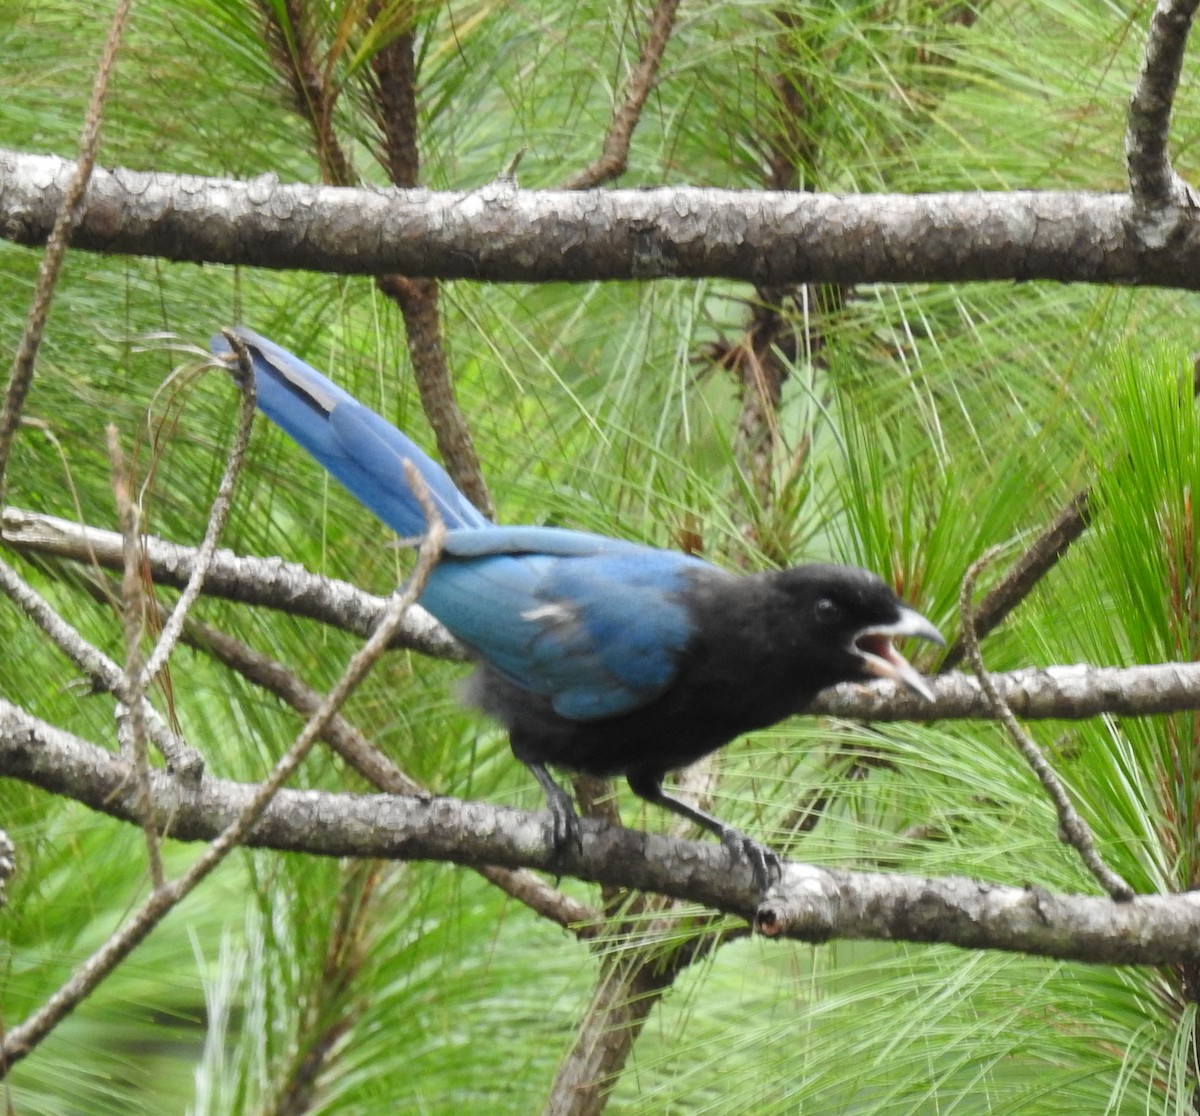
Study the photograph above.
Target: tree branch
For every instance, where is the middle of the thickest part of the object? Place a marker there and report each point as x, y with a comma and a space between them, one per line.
68, 208
270, 582
1071, 692
808, 904
1152, 181
501, 233
1071, 827
614, 155
1033, 564
134, 612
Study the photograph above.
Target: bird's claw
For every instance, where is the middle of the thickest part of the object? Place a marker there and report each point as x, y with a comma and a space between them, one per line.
764, 862
565, 836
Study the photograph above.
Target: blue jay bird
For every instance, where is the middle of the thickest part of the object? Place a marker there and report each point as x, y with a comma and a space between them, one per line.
599, 655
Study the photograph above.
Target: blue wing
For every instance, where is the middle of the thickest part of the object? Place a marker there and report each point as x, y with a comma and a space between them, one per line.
597, 625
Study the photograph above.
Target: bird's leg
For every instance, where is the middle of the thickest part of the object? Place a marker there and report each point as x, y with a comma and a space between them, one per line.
564, 822
764, 862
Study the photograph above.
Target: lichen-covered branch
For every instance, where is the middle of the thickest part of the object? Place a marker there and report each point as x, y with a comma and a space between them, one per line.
502, 233
809, 903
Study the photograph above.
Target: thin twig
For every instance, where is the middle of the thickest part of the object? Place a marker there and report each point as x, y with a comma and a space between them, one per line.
133, 601
614, 156
1038, 559
1071, 827
21, 376
23, 1038
103, 673
217, 517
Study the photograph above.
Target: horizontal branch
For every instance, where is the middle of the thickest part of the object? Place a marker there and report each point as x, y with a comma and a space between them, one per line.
809, 903
1039, 693
269, 582
502, 233
1069, 693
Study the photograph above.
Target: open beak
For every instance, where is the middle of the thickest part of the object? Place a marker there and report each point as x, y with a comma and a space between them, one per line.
874, 646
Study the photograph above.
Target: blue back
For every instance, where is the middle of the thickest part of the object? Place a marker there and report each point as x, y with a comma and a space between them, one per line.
595, 624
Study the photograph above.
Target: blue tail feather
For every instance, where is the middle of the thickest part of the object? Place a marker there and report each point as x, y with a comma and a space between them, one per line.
363, 451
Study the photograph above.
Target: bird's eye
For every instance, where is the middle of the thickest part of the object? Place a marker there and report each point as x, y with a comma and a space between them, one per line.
827, 611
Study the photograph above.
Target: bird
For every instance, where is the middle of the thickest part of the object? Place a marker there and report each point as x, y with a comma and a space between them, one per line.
599, 655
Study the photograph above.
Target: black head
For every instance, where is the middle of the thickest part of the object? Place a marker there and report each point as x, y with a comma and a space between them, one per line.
854, 616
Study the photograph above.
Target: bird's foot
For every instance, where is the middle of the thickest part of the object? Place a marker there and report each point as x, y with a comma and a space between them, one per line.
764, 862
565, 836
566, 841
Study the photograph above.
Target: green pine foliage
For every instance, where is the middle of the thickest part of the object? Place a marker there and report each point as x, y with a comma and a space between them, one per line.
932, 423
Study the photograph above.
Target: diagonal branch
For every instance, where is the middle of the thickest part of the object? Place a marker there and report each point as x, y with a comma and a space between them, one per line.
1071, 826
614, 155
1152, 181
1036, 561
380, 771
18, 1041
68, 212
634, 976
